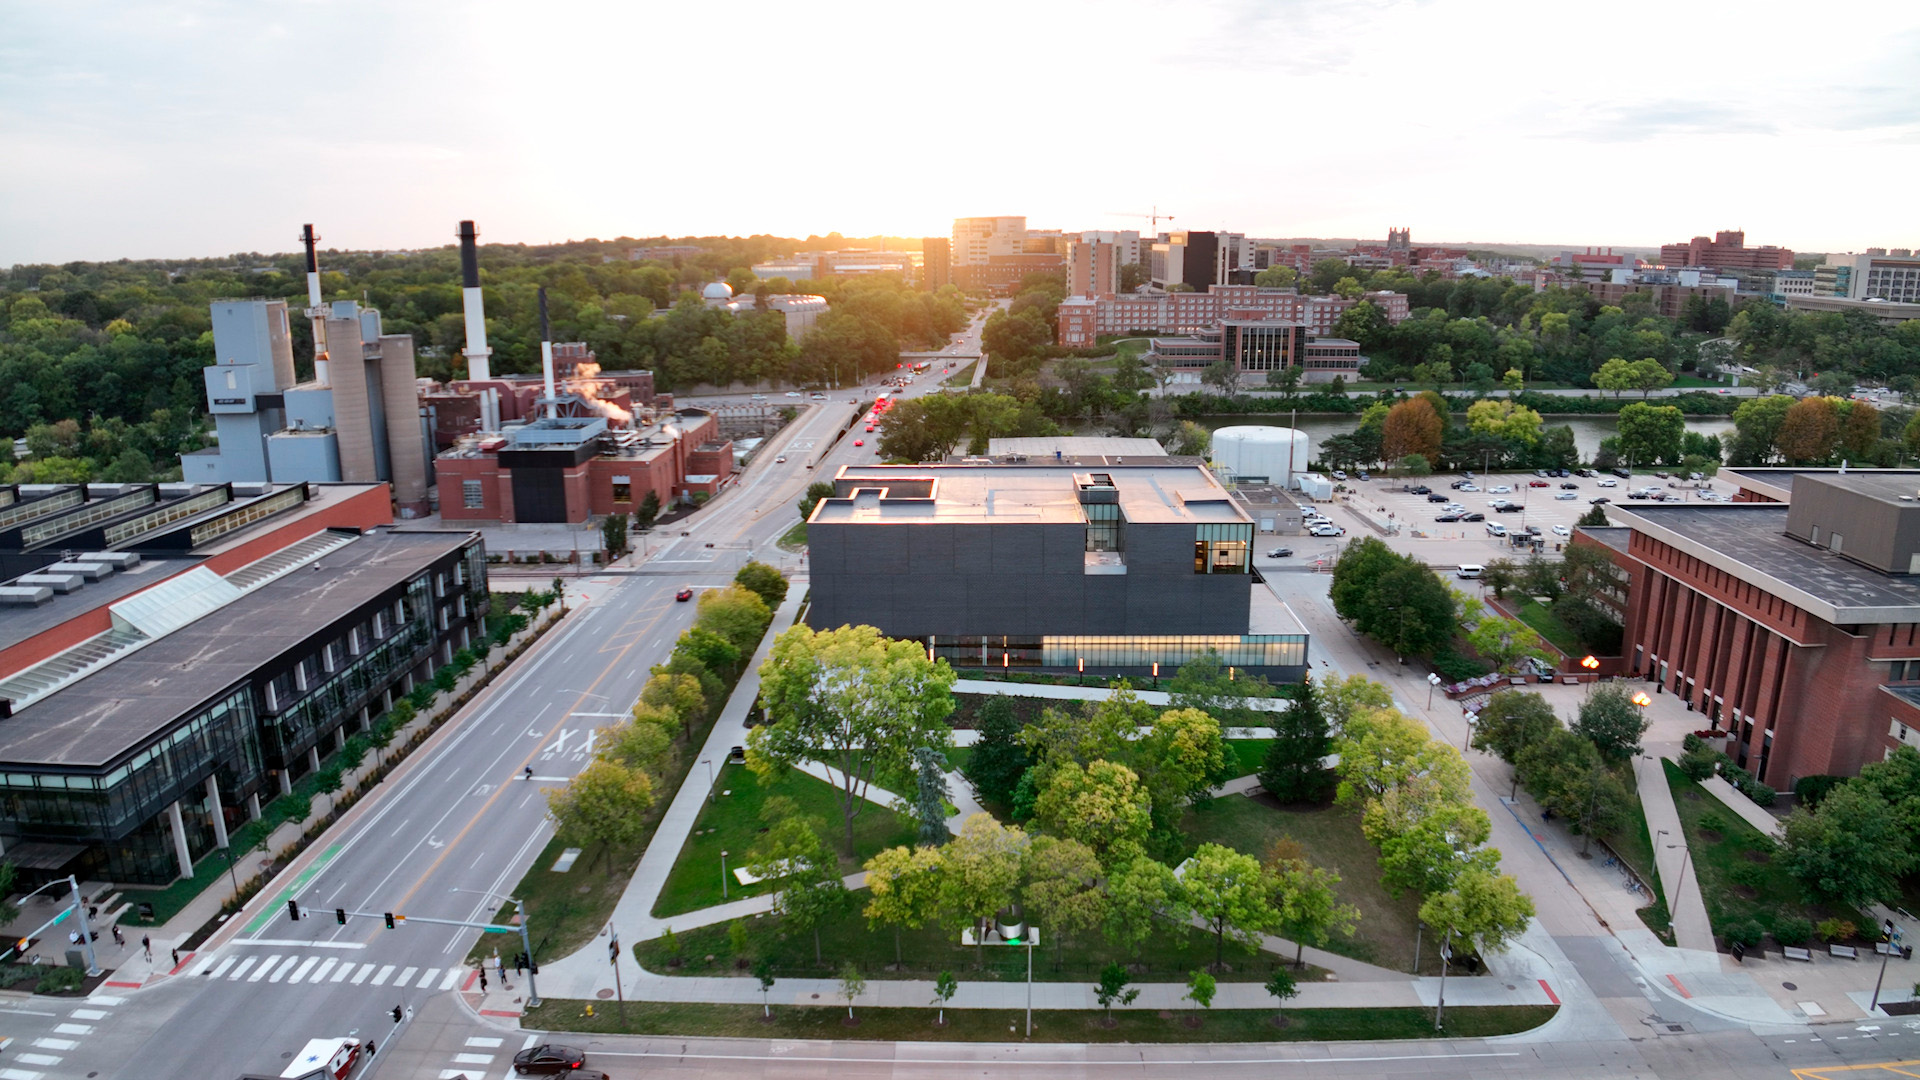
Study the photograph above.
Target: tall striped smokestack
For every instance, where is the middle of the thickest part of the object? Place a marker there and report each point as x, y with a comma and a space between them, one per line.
546, 352
478, 365
316, 313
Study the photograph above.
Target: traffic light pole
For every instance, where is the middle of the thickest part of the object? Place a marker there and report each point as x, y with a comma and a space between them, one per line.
342, 914
613, 954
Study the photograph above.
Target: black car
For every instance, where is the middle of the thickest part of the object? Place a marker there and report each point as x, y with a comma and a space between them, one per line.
1280, 553
1601, 501
1583, 472
1510, 508
1570, 486
1458, 484
1438, 498
1447, 517
1624, 474
1473, 517
548, 1058
1421, 490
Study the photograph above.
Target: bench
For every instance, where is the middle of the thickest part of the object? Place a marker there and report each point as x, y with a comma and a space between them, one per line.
1805, 956
1569, 680
1904, 952
1847, 951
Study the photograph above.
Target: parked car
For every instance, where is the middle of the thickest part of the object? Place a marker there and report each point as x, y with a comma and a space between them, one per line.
1473, 517
1494, 528
1541, 473
1583, 472
1328, 530
1364, 476
1562, 530
1601, 501
1569, 486
1280, 553
1469, 570
1510, 508
1436, 498
548, 1058
1339, 475
793, 393
1623, 474
1562, 473
1501, 489
1420, 490
1447, 517
1566, 496
1456, 508
1538, 483
1606, 481
1468, 487
1662, 475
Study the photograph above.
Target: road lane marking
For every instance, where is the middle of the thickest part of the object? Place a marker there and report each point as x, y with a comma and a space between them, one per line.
385, 974
305, 967
361, 976
293, 889
265, 966
291, 943
324, 968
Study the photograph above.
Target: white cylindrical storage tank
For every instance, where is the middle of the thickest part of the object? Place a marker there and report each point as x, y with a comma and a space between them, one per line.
1257, 453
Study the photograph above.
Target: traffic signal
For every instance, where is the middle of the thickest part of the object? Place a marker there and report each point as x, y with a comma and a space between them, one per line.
613, 950
389, 920
293, 910
396, 1014
340, 915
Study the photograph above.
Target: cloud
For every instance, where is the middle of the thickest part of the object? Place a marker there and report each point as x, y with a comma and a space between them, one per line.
1654, 119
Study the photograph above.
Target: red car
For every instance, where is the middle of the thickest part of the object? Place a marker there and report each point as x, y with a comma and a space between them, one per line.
1538, 483
869, 429
859, 442
683, 595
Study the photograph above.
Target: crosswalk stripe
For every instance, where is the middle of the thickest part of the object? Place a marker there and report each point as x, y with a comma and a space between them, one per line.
446, 1074
205, 963
346, 969
73, 1029
99, 998
56, 1044
242, 969
361, 975
482, 1040
301, 972
281, 971
20, 1074
221, 969
385, 974
453, 976
325, 967
265, 967
405, 976
426, 978
89, 1014
473, 1059
37, 1059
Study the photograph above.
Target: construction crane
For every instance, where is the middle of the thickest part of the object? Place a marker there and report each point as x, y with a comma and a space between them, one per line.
1153, 217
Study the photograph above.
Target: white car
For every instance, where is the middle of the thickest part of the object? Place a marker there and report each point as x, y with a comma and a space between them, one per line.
793, 393
1567, 496
1455, 508
1468, 487
1562, 530
1494, 528
1606, 481
1500, 489
1327, 530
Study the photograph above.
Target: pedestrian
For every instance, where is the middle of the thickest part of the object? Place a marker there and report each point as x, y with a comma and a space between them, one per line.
147, 944
529, 772
117, 939
520, 963
483, 979
371, 1049
176, 958
93, 912
503, 969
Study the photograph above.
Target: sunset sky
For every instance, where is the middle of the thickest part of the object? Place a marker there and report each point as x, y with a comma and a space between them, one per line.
197, 129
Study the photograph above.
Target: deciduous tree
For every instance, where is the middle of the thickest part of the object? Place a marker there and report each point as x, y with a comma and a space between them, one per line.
983, 867
603, 804
1412, 427
1484, 908
904, 888
1104, 806
1231, 894
1612, 722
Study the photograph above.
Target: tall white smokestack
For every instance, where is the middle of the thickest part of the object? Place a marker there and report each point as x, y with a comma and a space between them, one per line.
546, 353
478, 365
316, 313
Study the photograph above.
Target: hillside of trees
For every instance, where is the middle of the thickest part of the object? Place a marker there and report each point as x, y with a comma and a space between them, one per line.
99, 362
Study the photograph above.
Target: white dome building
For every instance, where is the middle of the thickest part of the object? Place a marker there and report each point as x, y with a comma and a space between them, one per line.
716, 293
1254, 453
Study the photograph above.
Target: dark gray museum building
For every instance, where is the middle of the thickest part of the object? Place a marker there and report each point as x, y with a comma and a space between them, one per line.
1117, 567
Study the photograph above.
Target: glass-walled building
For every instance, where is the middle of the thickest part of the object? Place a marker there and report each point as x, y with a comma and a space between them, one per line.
218, 692
1109, 569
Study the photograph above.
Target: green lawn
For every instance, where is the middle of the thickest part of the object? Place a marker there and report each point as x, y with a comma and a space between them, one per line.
795, 538
1549, 626
1332, 838
963, 377
1007, 1025
732, 824
1249, 754
926, 952
1738, 879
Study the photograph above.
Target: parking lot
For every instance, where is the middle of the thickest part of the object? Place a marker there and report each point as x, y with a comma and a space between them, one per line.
1384, 499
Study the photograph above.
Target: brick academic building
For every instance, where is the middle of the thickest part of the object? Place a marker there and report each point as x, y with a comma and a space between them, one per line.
1793, 626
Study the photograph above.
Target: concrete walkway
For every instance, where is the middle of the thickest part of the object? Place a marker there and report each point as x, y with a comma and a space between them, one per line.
1749, 811
1691, 929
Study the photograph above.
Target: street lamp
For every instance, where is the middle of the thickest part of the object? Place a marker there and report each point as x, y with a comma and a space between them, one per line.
1433, 680
526, 943
1592, 665
1679, 881
78, 909
1893, 942
1473, 719
708, 762
1641, 699
723, 874
1446, 954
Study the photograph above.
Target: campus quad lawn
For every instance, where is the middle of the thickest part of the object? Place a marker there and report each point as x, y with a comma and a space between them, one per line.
731, 823
1005, 1025
1331, 836
934, 949
1734, 886
1247, 755
1548, 625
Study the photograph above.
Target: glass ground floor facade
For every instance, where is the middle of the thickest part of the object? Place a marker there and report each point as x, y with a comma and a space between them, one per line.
1276, 656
